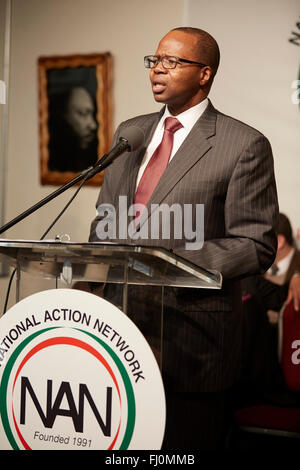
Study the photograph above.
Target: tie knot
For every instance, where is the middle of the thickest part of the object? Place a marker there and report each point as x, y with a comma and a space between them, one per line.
274, 269
172, 124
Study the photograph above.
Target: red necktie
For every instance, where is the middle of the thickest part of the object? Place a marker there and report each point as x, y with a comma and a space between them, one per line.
157, 163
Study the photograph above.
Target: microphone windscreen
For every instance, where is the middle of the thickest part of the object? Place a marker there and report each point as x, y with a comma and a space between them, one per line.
134, 136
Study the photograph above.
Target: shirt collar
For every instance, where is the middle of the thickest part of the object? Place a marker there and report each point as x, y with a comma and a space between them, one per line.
189, 117
284, 263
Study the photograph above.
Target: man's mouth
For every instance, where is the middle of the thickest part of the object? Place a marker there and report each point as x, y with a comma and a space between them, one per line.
86, 140
158, 87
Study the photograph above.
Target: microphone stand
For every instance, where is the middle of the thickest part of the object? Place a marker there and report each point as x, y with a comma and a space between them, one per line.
122, 146
85, 175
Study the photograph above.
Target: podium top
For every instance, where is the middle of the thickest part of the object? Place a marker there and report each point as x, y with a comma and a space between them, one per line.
107, 262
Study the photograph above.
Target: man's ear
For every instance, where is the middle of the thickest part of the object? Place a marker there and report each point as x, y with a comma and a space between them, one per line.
206, 76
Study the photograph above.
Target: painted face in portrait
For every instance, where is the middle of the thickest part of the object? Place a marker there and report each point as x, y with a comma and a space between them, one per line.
80, 116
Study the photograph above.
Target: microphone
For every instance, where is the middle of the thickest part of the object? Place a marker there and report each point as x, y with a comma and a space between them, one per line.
132, 138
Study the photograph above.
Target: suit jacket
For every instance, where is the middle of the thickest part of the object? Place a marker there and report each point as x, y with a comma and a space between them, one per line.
260, 338
227, 166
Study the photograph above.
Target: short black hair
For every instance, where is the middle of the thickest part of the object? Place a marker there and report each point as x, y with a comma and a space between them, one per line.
284, 228
209, 52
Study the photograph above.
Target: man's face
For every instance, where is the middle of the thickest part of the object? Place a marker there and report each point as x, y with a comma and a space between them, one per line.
79, 115
182, 87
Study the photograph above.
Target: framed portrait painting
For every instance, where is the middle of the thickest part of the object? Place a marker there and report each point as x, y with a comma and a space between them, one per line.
75, 115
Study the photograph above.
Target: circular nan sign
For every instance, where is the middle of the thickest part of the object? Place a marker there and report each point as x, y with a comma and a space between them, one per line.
76, 373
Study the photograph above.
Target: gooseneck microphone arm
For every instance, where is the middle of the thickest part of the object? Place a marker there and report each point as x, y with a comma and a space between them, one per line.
41, 203
132, 139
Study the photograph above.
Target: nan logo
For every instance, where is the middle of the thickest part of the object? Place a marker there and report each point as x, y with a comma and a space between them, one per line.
66, 383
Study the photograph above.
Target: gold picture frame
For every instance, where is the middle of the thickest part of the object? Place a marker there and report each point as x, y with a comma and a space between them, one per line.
75, 115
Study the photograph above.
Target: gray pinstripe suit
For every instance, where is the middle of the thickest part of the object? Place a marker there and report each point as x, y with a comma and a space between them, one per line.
227, 166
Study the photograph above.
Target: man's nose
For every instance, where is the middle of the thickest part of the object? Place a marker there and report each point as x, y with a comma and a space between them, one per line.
92, 123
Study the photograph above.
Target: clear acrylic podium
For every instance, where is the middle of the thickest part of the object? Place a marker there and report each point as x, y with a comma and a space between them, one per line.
129, 267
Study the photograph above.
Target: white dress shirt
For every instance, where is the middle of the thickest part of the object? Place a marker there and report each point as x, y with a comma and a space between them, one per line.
188, 118
284, 264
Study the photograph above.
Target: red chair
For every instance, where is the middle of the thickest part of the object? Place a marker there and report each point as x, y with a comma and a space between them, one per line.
289, 344
269, 419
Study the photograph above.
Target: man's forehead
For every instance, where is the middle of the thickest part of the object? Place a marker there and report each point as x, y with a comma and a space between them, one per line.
81, 97
177, 40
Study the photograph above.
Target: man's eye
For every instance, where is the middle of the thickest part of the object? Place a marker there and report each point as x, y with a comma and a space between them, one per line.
172, 61
84, 112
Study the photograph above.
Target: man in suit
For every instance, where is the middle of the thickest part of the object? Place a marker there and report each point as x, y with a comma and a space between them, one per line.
264, 297
227, 166
272, 289
285, 272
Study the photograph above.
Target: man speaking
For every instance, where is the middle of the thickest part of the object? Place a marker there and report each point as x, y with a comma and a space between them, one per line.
195, 155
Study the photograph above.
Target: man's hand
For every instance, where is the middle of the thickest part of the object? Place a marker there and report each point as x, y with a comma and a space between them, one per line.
294, 291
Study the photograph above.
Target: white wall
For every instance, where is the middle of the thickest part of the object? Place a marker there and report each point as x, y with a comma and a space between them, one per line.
258, 67
129, 30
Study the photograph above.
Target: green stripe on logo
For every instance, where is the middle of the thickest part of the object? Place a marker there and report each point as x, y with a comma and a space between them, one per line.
126, 380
